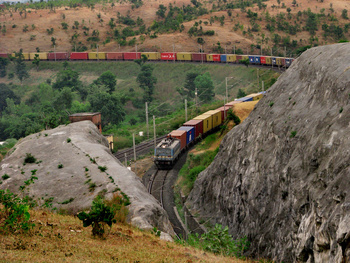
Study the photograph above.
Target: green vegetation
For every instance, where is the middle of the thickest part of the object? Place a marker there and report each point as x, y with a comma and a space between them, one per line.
102, 168
217, 240
293, 134
5, 176
29, 158
103, 214
14, 212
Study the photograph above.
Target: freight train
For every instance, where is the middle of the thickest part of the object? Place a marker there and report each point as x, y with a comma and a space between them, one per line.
157, 56
169, 149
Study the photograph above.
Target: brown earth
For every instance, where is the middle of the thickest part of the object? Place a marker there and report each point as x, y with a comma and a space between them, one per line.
15, 38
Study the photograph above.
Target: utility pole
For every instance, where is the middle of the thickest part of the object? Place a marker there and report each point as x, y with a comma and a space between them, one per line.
133, 140
202, 54
234, 49
257, 76
262, 85
98, 59
154, 132
54, 48
174, 52
147, 119
196, 93
227, 78
186, 110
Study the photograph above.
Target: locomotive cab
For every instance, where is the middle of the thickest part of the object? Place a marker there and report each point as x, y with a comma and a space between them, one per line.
166, 153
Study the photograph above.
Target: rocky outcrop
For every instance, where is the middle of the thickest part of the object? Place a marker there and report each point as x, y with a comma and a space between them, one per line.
282, 177
67, 173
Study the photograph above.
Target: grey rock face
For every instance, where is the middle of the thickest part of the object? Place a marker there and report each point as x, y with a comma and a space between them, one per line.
282, 177
80, 149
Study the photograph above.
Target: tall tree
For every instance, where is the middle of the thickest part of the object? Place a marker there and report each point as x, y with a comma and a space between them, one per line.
110, 106
205, 87
3, 64
6, 93
188, 90
36, 61
108, 79
20, 66
145, 79
67, 78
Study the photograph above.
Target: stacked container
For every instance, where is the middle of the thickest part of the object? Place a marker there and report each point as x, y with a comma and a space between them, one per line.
190, 132
224, 111
197, 125
181, 135
132, 55
216, 117
207, 122
79, 56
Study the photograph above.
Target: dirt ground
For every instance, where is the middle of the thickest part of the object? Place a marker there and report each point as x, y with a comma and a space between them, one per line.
39, 21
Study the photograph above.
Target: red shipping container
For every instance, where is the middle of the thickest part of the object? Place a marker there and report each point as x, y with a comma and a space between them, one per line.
199, 57
230, 104
168, 56
263, 60
198, 126
216, 57
223, 110
181, 135
132, 55
79, 56
58, 55
283, 60
238, 58
4, 55
114, 55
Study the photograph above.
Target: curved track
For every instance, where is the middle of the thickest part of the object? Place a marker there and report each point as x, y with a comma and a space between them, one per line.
160, 186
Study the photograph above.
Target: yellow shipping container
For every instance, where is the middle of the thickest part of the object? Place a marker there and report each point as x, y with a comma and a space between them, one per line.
207, 122
268, 61
25, 56
231, 58
95, 55
42, 55
184, 56
279, 61
151, 55
245, 57
210, 57
216, 120
255, 96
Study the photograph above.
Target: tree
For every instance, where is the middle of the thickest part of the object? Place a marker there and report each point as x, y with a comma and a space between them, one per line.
205, 87
110, 106
188, 91
344, 14
36, 61
20, 66
67, 78
161, 11
3, 64
241, 93
6, 93
108, 79
145, 79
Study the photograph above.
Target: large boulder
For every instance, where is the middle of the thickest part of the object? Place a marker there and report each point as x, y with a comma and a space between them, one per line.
282, 177
66, 174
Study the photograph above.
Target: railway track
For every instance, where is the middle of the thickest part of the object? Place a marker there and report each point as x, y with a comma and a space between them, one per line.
141, 148
160, 186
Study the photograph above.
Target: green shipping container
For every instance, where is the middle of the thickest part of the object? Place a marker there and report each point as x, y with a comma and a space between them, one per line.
207, 122
183, 56
95, 55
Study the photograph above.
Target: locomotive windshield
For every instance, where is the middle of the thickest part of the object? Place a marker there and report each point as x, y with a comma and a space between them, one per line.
163, 151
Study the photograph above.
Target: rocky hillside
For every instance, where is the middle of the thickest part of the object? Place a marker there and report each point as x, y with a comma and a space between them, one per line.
282, 177
73, 164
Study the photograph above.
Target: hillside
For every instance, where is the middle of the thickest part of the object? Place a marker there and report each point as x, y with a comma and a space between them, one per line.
180, 26
282, 176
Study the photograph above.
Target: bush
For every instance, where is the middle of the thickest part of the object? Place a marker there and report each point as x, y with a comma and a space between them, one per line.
29, 158
102, 214
15, 213
102, 168
5, 176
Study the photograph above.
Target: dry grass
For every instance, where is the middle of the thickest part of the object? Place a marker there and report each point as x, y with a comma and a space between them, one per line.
58, 238
242, 110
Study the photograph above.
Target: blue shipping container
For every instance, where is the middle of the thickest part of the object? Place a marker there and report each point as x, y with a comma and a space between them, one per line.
245, 99
273, 61
288, 61
223, 58
257, 59
251, 59
190, 132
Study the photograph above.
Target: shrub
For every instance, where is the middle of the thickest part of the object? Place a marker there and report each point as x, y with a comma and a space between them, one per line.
232, 116
69, 140
101, 215
293, 134
14, 213
60, 166
102, 168
29, 158
5, 176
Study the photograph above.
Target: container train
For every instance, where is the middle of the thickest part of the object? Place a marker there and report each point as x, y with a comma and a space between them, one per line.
169, 149
157, 56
